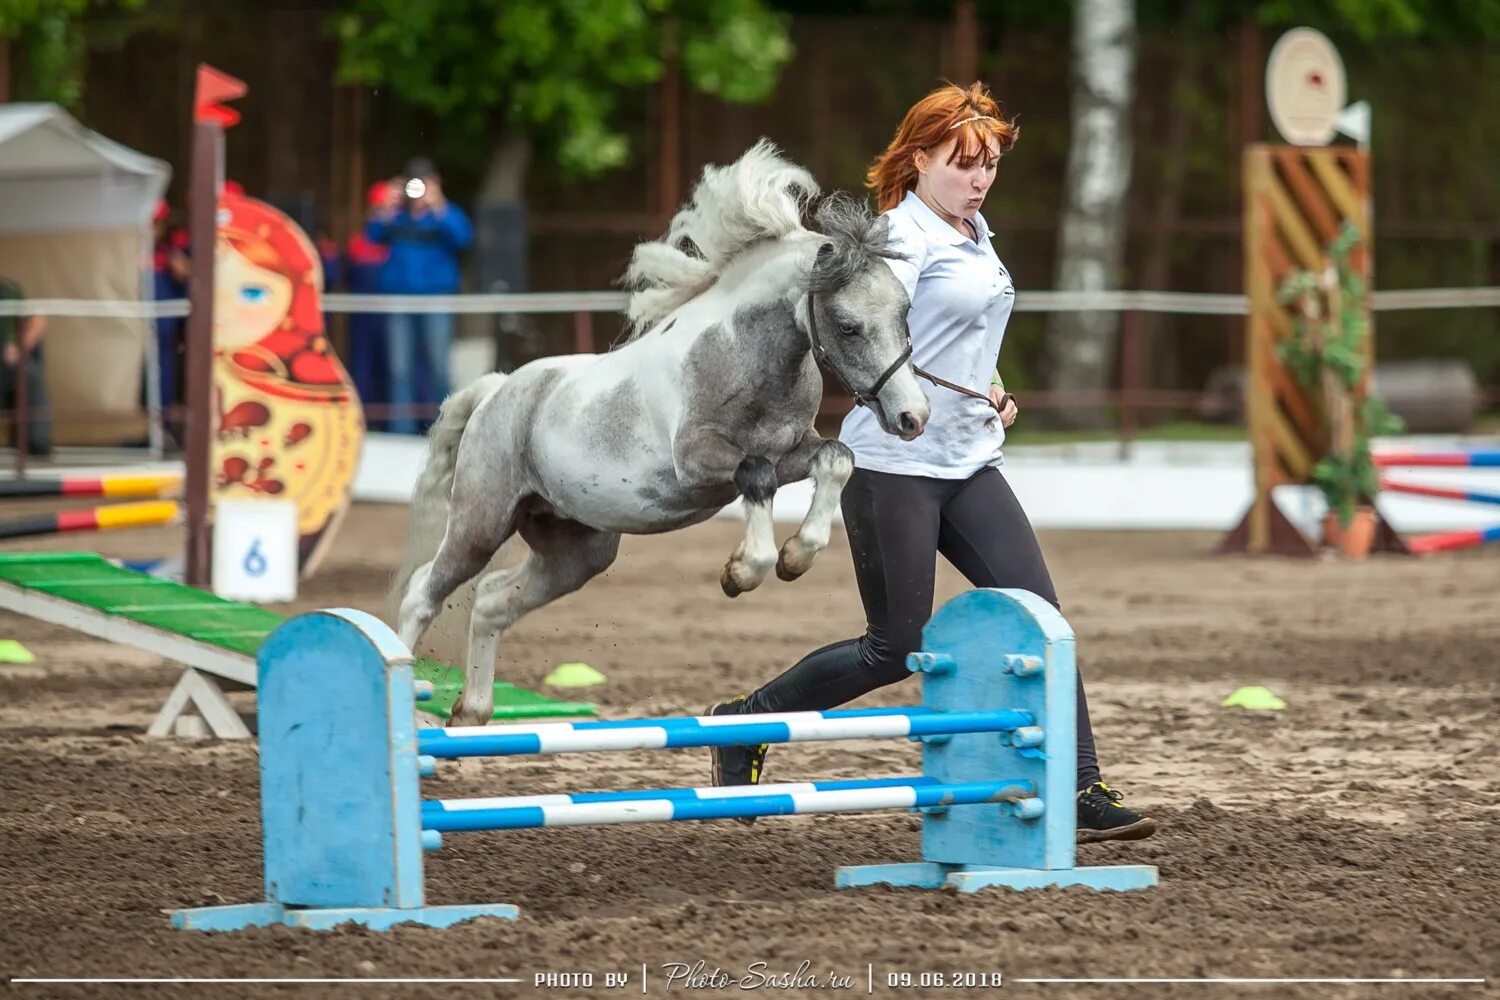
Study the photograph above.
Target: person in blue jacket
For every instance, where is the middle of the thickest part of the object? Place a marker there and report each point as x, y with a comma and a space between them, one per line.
426, 234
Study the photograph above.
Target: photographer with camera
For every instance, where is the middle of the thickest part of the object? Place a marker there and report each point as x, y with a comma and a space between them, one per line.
425, 234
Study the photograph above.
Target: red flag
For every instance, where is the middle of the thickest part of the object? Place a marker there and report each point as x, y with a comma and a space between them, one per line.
215, 86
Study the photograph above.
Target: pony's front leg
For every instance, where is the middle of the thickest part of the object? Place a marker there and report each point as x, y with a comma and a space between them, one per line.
706, 460
830, 464
748, 565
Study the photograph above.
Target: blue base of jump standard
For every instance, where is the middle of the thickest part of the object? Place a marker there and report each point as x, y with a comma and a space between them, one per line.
341, 762
1001, 649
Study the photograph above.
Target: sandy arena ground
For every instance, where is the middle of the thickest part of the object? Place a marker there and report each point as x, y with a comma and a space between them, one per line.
1352, 835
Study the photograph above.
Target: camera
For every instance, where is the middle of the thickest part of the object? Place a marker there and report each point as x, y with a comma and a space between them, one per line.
417, 170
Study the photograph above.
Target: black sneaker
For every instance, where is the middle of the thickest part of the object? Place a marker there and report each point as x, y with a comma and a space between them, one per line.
1102, 815
736, 765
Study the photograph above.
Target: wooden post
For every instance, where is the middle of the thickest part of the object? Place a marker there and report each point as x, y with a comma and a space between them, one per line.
669, 190
210, 118
1130, 377
1245, 122
22, 421
1296, 201
207, 164
583, 332
965, 43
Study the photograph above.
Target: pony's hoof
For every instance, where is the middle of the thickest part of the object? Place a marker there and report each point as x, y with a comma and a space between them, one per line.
739, 578
469, 717
795, 559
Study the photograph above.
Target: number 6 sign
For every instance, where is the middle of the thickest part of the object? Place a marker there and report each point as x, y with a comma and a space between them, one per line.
255, 550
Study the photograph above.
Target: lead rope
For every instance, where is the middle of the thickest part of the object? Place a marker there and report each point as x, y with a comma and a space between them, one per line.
935, 380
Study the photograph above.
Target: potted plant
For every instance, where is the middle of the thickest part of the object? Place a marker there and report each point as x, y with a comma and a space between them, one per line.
1328, 354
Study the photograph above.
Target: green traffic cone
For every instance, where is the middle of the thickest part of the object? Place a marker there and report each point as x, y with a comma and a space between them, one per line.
574, 675
1254, 698
12, 651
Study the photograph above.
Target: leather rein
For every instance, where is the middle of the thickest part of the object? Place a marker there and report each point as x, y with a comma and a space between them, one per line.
867, 396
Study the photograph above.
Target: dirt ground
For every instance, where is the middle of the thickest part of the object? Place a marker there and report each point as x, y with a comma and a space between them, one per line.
1352, 835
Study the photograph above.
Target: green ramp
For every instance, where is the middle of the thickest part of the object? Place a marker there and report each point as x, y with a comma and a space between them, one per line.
91, 581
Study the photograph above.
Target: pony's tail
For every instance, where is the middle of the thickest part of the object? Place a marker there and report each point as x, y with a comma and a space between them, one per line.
429, 502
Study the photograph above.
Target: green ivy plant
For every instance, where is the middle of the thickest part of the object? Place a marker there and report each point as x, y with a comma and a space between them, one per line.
1329, 339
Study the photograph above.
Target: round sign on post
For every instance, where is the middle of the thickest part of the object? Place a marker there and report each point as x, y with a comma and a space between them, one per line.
1305, 87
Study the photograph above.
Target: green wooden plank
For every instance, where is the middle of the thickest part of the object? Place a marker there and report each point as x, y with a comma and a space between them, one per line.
90, 580
241, 641
114, 594
192, 622
511, 703
29, 569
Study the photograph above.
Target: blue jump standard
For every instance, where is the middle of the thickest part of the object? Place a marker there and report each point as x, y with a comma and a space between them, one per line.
345, 827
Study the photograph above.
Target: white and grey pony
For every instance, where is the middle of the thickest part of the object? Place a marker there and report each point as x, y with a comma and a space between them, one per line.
712, 396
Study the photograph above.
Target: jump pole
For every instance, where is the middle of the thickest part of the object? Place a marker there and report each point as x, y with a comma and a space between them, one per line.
345, 828
107, 487
147, 513
1476, 458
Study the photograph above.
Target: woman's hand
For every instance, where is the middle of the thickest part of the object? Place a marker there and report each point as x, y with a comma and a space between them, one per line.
1005, 403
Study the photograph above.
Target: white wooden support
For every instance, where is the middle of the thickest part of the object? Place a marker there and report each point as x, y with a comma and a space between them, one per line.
201, 693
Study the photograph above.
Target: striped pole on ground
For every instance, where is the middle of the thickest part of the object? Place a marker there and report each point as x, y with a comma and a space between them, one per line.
1441, 492
112, 487
1477, 458
592, 809
713, 731
1444, 541
120, 515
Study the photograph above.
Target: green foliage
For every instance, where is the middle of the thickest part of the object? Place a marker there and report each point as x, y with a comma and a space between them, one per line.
1346, 479
1371, 19
1352, 479
1343, 350
49, 36
556, 70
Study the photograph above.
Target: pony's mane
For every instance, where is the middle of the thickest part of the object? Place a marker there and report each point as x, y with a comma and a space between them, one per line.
758, 197
856, 239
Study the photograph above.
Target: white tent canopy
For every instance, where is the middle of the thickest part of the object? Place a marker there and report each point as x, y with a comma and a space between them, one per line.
57, 176
75, 223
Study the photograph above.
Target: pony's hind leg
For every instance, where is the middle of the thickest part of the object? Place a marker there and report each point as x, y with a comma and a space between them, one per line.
479, 522
564, 556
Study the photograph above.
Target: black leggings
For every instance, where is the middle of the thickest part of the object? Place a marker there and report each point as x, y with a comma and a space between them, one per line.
896, 526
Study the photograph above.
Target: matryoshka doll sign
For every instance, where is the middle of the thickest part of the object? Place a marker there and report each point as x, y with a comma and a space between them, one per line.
288, 424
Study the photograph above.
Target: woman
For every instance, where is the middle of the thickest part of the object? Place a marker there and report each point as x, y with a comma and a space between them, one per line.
943, 492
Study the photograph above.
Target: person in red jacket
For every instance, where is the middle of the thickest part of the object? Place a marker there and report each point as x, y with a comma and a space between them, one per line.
363, 260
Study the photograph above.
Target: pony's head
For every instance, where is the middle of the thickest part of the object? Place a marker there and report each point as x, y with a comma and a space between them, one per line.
857, 316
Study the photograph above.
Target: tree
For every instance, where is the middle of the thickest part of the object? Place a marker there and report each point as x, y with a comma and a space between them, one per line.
525, 74
1091, 239
50, 37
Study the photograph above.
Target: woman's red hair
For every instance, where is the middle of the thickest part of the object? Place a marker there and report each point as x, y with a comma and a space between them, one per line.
928, 124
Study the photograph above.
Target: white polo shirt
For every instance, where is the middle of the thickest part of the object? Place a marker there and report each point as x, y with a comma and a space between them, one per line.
961, 300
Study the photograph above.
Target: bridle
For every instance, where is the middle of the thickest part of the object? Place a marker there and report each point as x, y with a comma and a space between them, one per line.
866, 397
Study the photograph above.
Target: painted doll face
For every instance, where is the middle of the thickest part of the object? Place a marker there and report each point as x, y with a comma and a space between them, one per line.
249, 301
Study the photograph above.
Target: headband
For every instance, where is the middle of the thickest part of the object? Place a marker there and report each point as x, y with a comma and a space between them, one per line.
972, 118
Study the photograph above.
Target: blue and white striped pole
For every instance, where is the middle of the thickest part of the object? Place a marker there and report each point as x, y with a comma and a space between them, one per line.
712, 731
599, 808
